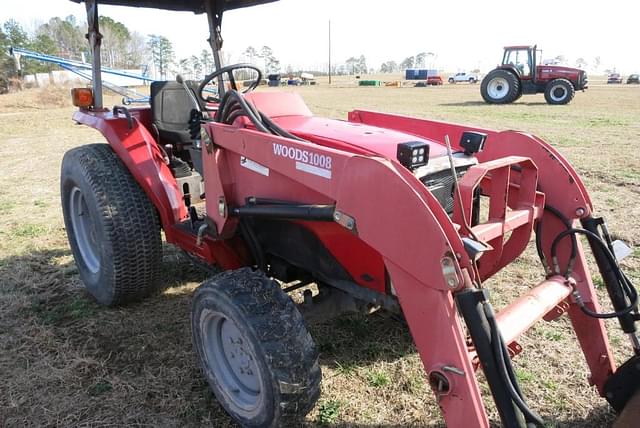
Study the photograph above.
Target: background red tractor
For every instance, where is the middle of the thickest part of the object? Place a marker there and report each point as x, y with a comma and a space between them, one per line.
521, 74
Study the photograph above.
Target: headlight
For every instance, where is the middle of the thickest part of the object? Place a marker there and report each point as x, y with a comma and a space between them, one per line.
413, 154
472, 142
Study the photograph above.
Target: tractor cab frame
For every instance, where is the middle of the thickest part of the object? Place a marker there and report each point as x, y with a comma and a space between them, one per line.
380, 211
522, 60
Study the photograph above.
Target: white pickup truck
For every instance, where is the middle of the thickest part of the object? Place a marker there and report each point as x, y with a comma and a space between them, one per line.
464, 77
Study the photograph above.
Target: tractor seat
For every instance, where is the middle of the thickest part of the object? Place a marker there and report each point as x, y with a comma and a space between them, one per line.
170, 110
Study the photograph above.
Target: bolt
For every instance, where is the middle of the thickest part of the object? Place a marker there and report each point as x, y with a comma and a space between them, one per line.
337, 216
350, 224
580, 212
451, 282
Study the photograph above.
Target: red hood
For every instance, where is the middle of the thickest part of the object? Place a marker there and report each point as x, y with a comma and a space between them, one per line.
290, 112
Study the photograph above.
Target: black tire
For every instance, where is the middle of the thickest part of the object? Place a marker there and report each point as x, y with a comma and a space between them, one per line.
452, 80
472, 80
500, 87
281, 378
117, 247
559, 91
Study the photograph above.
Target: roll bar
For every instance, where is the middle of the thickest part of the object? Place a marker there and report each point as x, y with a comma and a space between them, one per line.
213, 8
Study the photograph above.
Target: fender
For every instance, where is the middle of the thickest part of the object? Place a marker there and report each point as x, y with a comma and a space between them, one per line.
138, 150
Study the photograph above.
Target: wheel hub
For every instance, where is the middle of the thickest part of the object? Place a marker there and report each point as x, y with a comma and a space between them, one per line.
84, 230
229, 355
498, 88
558, 93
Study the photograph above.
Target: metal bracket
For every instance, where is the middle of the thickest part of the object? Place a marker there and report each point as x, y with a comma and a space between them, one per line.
345, 221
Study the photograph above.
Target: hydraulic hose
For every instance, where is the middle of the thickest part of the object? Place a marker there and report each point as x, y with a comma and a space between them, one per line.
574, 243
627, 287
234, 105
254, 244
501, 356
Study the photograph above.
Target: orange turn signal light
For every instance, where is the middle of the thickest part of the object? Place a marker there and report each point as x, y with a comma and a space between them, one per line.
82, 97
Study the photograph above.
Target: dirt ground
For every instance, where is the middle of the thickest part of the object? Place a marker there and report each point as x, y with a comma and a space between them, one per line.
65, 361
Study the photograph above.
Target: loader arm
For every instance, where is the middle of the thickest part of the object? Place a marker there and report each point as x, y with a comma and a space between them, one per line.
400, 203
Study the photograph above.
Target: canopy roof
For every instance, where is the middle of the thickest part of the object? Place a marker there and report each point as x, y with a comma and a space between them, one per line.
195, 6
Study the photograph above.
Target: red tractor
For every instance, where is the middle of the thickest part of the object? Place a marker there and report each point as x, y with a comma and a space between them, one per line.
521, 74
376, 212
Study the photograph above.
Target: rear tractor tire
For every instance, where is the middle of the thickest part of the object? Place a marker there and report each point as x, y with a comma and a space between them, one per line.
113, 228
559, 91
500, 87
254, 349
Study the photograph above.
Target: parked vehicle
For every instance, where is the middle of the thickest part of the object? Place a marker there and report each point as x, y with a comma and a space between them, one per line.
521, 74
464, 77
614, 78
633, 79
434, 80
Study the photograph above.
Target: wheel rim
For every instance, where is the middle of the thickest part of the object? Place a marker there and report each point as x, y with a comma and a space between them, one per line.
498, 88
84, 230
558, 93
228, 353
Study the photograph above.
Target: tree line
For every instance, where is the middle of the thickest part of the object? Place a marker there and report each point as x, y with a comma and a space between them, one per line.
358, 65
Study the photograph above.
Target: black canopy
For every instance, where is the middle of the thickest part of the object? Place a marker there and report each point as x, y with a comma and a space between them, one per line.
195, 6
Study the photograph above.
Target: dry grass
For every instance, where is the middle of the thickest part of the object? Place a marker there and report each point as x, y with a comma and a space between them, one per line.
66, 361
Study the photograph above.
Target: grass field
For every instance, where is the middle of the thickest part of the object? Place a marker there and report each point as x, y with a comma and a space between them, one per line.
65, 361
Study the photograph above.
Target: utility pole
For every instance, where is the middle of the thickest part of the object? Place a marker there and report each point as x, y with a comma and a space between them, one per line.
329, 51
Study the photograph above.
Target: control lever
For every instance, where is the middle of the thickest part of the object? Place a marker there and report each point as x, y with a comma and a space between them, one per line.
195, 118
181, 81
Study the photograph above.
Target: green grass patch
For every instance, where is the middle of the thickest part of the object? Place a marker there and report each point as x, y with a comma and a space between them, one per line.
550, 385
377, 379
598, 282
29, 230
605, 122
346, 369
99, 388
329, 412
6, 206
524, 376
552, 335
58, 312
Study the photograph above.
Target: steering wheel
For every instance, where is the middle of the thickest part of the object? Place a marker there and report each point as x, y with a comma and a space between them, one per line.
229, 69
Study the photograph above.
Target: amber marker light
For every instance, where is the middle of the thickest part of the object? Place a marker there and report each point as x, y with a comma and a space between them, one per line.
82, 97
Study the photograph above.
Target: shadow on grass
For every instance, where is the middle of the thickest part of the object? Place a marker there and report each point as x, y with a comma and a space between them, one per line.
352, 340
482, 103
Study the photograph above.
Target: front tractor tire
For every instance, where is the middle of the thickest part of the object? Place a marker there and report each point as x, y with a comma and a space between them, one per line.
500, 87
113, 228
254, 349
559, 91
